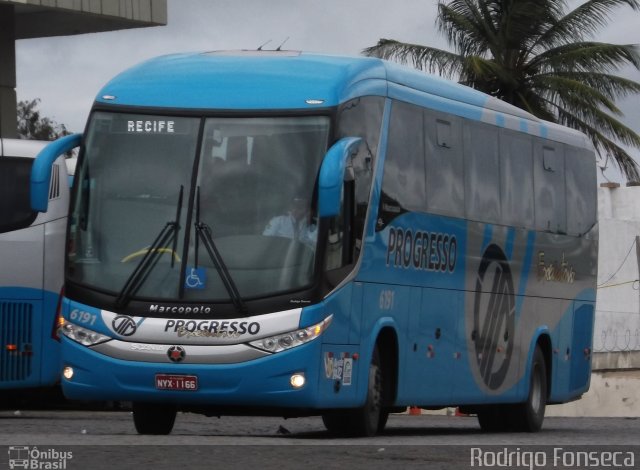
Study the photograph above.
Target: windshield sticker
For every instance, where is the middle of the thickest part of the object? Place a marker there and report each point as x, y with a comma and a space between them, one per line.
151, 127
195, 278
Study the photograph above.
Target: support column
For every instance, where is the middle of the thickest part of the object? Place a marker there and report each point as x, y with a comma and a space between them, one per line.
8, 102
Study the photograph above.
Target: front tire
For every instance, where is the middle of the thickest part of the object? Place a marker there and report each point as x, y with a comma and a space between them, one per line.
153, 418
370, 418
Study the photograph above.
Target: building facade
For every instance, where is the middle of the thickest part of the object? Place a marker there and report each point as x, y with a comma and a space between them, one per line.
27, 19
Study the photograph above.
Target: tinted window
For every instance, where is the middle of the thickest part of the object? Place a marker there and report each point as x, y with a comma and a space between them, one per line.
482, 172
403, 183
445, 164
549, 186
581, 190
516, 185
362, 117
15, 205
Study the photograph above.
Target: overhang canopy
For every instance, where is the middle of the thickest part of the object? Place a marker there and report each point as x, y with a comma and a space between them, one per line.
45, 18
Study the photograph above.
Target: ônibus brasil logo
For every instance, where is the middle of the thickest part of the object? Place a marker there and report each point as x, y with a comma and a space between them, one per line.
32, 457
494, 317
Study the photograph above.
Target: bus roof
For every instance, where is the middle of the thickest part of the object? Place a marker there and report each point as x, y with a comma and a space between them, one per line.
270, 79
291, 80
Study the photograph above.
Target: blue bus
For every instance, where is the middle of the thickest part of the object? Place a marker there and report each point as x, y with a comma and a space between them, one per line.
32, 266
282, 233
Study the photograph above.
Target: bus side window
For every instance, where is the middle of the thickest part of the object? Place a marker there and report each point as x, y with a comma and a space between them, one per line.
15, 204
549, 187
482, 172
516, 185
361, 117
444, 164
403, 181
581, 191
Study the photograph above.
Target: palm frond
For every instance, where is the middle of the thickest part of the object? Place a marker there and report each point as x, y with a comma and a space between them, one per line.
604, 146
567, 89
462, 24
535, 55
583, 21
611, 86
425, 58
586, 56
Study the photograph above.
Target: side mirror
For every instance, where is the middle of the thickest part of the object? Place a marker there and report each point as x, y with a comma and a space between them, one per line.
332, 175
41, 169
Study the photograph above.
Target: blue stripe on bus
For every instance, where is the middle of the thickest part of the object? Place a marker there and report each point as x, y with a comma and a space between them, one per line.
526, 269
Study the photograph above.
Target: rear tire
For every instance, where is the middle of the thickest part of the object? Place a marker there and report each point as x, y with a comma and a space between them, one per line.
153, 418
521, 417
528, 416
367, 420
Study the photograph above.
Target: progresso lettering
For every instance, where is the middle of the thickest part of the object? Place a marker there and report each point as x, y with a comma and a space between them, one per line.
425, 251
212, 328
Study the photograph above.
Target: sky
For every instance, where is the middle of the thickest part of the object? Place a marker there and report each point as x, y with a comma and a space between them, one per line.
66, 73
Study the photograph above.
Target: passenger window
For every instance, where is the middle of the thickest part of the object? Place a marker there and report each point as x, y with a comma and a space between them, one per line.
549, 186
581, 190
15, 204
444, 165
516, 185
482, 173
403, 183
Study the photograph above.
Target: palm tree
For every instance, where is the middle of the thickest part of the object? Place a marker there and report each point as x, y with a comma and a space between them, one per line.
535, 55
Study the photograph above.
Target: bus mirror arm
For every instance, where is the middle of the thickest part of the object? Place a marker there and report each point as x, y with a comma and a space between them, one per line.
41, 169
333, 172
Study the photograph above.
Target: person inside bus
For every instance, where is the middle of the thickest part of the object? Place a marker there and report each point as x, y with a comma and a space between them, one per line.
296, 224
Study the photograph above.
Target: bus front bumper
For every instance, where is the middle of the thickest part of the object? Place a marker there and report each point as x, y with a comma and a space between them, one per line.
263, 382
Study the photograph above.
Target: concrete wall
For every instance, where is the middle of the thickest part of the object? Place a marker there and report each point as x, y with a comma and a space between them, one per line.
617, 324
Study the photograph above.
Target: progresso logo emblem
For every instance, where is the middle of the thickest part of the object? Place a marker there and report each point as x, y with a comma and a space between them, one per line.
124, 325
494, 317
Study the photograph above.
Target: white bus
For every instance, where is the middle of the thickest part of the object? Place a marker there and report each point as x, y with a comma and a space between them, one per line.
32, 260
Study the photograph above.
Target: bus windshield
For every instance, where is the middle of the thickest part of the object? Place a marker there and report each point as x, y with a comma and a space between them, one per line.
213, 209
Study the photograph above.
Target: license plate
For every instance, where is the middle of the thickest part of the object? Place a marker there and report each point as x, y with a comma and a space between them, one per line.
176, 382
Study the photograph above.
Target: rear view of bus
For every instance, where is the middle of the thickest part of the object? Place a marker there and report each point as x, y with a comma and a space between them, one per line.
31, 274
277, 233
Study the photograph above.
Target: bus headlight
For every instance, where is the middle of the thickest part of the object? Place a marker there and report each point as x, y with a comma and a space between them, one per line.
284, 341
82, 335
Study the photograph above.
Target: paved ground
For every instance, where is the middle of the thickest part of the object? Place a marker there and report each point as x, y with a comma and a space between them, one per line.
107, 440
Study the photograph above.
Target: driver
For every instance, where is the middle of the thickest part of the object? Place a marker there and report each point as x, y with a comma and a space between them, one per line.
296, 224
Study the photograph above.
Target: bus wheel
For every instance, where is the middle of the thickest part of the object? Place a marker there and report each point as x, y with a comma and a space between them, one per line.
528, 416
153, 418
367, 420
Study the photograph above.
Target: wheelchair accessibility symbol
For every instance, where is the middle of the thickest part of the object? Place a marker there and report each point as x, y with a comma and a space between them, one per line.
196, 278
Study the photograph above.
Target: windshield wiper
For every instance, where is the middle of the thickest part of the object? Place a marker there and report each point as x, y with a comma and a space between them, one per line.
168, 234
203, 232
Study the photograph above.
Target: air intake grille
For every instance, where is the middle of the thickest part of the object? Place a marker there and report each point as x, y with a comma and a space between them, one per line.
54, 187
15, 340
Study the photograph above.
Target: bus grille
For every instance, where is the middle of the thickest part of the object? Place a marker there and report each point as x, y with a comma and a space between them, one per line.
15, 341
54, 186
